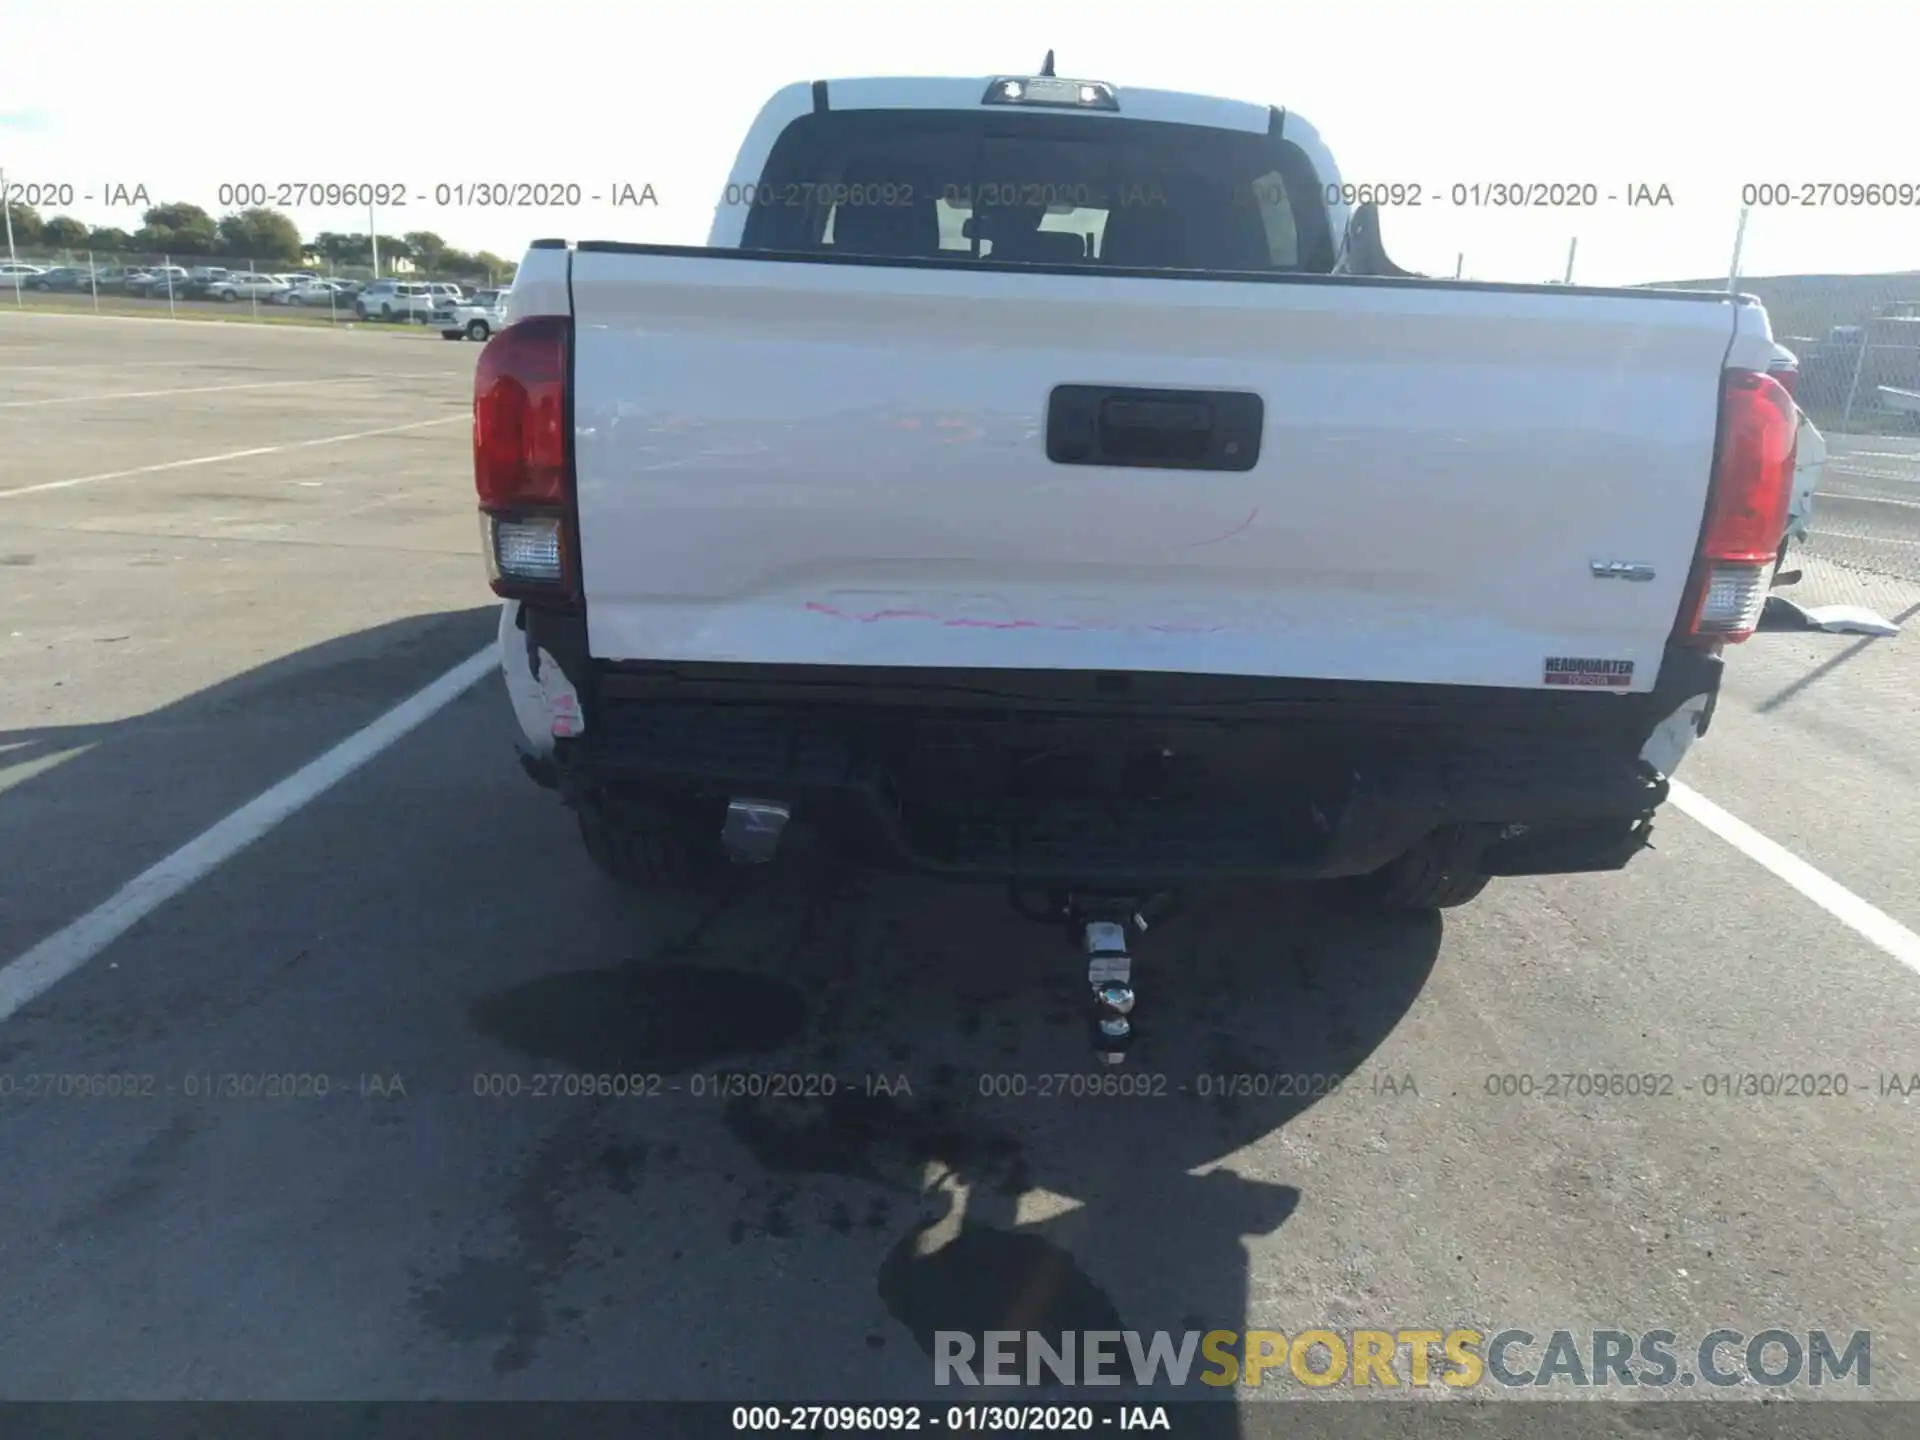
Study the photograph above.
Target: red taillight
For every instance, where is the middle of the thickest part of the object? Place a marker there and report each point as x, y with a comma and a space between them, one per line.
1787, 376
1746, 509
522, 458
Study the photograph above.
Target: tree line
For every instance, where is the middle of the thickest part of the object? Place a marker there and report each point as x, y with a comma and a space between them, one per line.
266, 237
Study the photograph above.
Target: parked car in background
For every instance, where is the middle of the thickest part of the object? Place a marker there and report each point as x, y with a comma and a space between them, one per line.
159, 281
245, 285
200, 277
475, 318
317, 292
114, 277
16, 275
394, 300
60, 277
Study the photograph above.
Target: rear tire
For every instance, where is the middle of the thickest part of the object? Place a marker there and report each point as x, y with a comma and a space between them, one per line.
1437, 874
652, 844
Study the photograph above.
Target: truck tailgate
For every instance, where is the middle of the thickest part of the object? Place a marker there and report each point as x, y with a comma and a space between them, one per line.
786, 462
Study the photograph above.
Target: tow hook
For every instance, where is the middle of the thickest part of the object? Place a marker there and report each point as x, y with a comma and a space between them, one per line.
1110, 973
753, 829
1101, 921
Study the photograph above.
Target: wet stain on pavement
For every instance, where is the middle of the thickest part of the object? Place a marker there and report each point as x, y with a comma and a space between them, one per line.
150, 1166
619, 1164
880, 1139
984, 1279
504, 1297
643, 1018
830, 990
631, 1019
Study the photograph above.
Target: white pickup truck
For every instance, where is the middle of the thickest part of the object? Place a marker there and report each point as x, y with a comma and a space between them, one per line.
474, 318
1048, 482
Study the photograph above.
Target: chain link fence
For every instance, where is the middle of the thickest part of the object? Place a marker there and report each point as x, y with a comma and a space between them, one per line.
229, 286
1857, 340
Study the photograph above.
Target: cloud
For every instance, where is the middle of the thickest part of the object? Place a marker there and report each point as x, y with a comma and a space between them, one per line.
25, 120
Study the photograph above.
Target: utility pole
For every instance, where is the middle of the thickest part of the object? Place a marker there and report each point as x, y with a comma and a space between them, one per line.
373, 234
1739, 238
1572, 248
7, 205
1853, 386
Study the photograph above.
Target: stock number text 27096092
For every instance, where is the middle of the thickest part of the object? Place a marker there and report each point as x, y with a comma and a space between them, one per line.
301, 194
1832, 194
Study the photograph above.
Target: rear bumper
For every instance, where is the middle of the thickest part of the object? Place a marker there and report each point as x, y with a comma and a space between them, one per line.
1132, 780
1093, 813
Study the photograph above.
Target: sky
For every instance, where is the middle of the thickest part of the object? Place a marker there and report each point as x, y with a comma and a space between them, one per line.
1702, 98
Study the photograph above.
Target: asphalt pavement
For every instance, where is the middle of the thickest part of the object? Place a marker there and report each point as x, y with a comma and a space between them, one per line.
226, 549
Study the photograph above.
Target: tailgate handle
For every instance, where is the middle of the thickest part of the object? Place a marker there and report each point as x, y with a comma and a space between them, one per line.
1159, 429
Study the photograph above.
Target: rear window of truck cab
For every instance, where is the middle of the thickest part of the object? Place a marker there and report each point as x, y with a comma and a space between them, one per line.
1038, 188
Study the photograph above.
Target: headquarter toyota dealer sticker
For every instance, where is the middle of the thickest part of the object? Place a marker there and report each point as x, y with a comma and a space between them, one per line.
1574, 670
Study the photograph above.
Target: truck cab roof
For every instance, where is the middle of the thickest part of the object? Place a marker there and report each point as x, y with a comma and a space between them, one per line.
1316, 203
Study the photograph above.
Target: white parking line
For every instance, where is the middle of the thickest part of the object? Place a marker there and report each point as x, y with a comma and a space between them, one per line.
230, 455
102, 365
1830, 895
30, 975
211, 389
